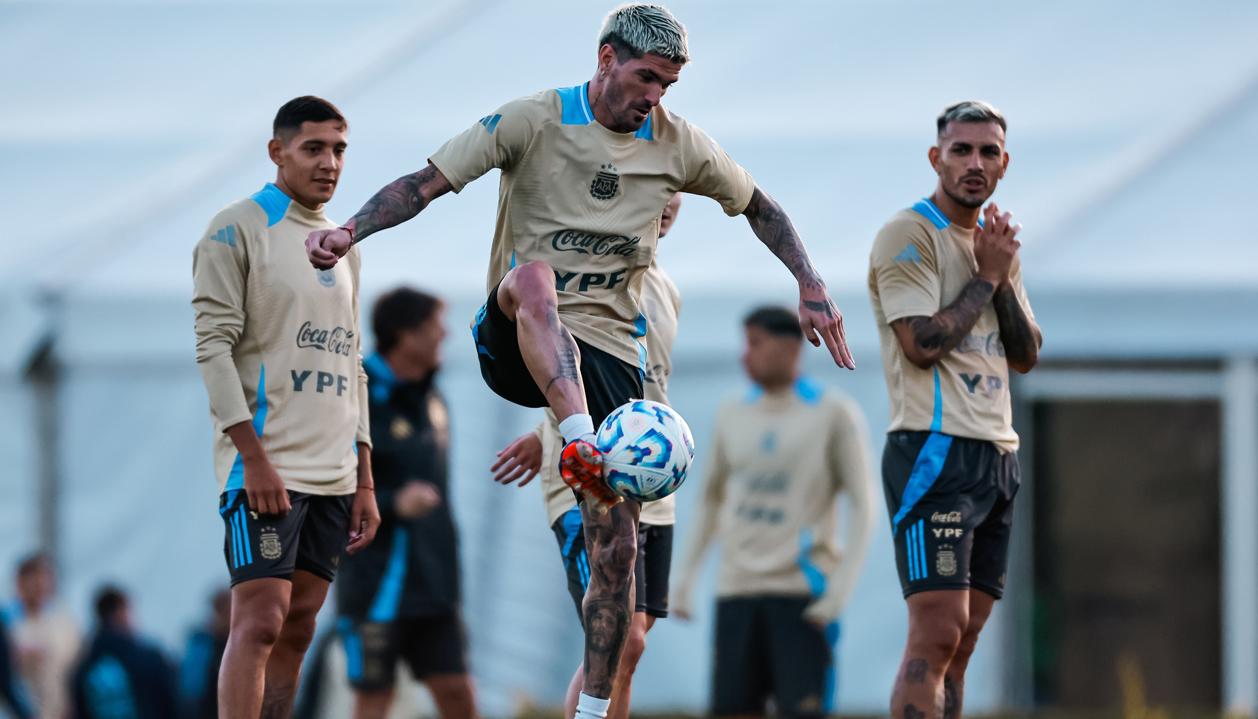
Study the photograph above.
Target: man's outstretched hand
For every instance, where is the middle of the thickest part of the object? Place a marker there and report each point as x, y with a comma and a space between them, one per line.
822, 322
325, 247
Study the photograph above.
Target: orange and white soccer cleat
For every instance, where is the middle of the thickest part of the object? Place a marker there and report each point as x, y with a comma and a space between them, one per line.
581, 467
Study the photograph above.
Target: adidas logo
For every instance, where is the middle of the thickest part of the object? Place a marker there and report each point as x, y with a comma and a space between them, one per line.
490, 122
909, 254
227, 236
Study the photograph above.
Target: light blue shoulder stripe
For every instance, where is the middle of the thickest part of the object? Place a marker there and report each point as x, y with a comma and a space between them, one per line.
808, 391
931, 211
646, 132
381, 378
575, 105
273, 202
927, 209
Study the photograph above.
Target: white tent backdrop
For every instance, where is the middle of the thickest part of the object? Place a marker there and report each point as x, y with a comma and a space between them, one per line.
127, 124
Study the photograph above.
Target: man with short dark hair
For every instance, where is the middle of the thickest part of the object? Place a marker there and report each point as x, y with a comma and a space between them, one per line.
278, 348
399, 600
585, 174
953, 318
779, 460
121, 675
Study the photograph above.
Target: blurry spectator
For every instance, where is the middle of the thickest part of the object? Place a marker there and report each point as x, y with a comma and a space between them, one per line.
121, 676
12, 693
45, 637
398, 601
780, 458
198, 675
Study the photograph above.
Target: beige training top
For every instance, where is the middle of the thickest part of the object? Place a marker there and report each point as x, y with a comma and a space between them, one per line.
587, 201
278, 344
776, 466
919, 265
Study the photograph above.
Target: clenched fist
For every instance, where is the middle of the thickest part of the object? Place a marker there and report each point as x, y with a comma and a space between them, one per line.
325, 247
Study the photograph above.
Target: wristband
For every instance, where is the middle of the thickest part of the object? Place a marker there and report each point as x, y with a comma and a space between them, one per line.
352, 239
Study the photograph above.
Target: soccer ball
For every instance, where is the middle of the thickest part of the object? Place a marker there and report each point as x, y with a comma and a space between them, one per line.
647, 448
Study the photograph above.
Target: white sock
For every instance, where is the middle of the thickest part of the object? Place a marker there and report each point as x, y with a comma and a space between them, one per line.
589, 707
576, 426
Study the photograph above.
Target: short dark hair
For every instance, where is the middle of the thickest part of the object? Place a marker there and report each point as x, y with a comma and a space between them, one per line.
777, 321
399, 310
969, 111
306, 108
110, 600
32, 562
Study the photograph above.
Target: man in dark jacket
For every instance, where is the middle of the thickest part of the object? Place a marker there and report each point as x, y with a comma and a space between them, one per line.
121, 676
398, 599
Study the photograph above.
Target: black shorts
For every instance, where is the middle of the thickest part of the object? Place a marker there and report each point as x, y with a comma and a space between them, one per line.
310, 537
429, 645
650, 574
764, 650
609, 382
951, 505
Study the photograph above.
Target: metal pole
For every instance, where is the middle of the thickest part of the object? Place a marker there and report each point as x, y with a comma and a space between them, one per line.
1240, 536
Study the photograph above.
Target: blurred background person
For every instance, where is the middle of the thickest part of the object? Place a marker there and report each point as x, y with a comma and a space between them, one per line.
198, 672
13, 695
121, 676
779, 459
45, 636
399, 599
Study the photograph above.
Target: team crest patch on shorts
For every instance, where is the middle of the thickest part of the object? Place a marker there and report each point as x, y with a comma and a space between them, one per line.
269, 544
606, 183
946, 562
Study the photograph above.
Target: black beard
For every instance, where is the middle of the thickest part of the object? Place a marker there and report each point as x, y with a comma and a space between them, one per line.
966, 201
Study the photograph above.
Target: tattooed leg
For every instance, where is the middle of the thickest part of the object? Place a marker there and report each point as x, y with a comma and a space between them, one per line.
937, 620
611, 541
981, 605
527, 295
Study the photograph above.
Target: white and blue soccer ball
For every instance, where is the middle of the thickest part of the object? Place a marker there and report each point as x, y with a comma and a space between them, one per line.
647, 448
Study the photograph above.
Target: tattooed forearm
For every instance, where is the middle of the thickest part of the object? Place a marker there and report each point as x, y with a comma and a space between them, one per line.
398, 202
912, 712
1019, 335
927, 339
770, 223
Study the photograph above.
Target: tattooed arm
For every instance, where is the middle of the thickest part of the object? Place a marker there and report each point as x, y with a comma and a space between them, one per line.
396, 203
818, 316
1018, 332
925, 340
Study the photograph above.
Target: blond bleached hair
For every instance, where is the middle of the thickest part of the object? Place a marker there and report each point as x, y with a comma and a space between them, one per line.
637, 29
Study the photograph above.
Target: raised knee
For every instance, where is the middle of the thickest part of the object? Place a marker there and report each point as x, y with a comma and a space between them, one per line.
533, 281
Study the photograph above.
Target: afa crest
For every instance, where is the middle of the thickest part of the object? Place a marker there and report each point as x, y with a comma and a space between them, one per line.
606, 183
269, 544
